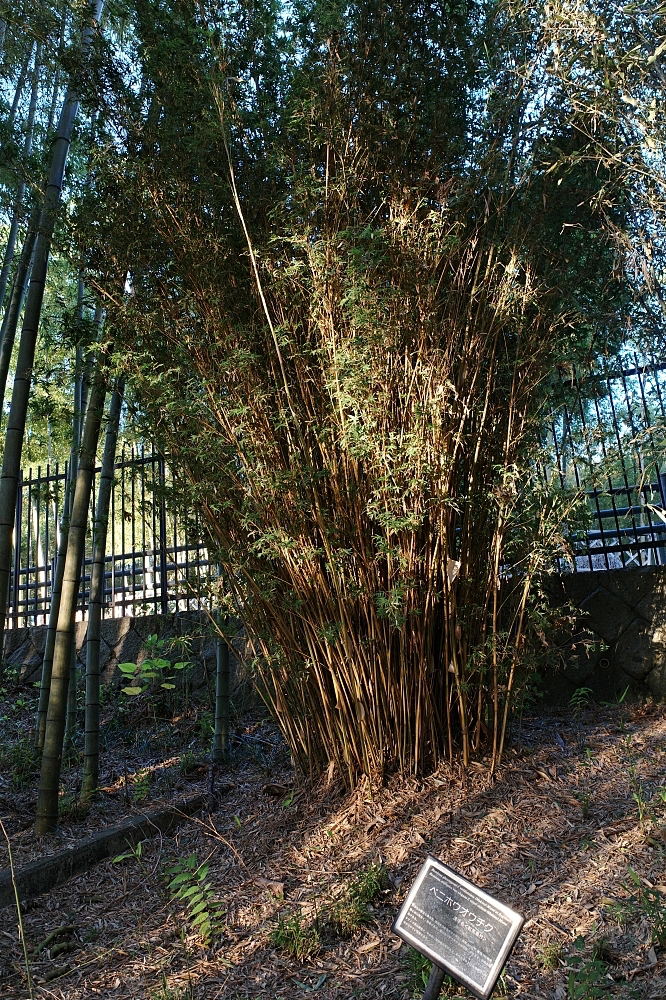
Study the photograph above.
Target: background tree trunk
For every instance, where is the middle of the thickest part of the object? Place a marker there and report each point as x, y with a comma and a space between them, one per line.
20, 84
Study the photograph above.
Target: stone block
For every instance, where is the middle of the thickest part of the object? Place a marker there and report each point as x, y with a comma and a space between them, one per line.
111, 630
579, 586
129, 647
653, 607
656, 681
633, 653
633, 585
606, 614
105, 654
14, 639
31, 664
578, 670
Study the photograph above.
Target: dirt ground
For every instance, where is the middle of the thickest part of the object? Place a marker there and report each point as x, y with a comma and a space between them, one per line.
571, 832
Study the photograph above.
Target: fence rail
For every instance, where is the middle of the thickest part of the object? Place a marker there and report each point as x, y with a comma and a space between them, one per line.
156, 561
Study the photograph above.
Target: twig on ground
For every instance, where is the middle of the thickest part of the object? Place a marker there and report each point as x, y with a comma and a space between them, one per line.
18, 911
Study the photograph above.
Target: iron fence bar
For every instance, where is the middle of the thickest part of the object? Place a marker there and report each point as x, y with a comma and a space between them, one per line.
164, 579
585, 435
611, 490
623, 465
649, 424
648, 431
17, 548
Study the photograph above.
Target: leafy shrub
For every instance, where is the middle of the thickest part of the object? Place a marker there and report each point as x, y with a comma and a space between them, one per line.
153, 669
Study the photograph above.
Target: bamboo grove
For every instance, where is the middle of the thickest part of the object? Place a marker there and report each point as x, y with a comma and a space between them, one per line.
341, 251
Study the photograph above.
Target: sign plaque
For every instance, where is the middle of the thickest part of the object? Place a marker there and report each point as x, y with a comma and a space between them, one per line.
458, 926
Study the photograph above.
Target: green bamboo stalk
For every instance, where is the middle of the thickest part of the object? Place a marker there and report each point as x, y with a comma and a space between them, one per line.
47, 801
222, 683
95, 608
13, 311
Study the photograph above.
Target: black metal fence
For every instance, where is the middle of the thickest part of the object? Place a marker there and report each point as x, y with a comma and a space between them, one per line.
607, 439
156, 561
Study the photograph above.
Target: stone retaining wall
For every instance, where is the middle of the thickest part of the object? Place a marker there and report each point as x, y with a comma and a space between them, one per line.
623, 624
619, 641
122, 641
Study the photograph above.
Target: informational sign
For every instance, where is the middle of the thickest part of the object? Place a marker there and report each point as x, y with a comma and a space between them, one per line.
458, 926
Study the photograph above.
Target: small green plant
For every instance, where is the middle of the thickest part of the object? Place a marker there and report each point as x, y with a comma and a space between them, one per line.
153, 670
134, 852
287, 802
579, 700
141, 785
188, 763
418, 969
368, 884
20, 760
188, 883
602, 950
643, 901
551, 955
351, 911
418, 973
167, 992
298, 937
206, 725
637, 790
347, 915
585, 800
587, 976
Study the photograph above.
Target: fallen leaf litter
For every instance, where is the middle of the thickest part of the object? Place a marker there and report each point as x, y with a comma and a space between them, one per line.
555, 834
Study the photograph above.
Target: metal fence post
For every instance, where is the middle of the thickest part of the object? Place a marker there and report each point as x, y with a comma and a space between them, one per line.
164, 579
17, 548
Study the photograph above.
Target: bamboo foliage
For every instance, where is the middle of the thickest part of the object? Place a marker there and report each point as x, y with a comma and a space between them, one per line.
11, 463
363, 517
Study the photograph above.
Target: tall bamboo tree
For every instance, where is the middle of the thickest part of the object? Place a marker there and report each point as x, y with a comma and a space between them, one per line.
80, 397
17, 212
11, 464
